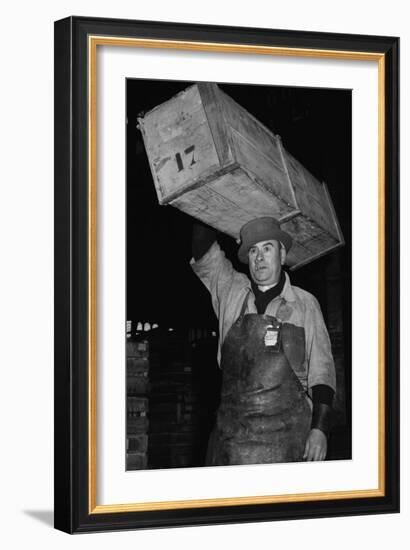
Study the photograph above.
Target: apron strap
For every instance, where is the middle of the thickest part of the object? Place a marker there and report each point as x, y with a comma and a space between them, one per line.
245, 304
280, 309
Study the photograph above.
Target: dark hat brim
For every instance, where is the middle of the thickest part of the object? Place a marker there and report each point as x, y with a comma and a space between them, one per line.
260, 230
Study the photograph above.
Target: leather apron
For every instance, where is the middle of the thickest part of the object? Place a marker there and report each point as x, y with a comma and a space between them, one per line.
264, 415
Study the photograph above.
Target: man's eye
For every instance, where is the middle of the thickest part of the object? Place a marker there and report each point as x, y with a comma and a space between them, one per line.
252, 251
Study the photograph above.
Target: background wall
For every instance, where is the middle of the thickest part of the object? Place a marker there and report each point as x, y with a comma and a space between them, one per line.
26, 273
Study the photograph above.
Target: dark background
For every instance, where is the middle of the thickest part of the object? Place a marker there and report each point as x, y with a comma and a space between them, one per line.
315, 126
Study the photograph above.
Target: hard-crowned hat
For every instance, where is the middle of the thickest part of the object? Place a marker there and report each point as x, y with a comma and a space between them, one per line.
261, 229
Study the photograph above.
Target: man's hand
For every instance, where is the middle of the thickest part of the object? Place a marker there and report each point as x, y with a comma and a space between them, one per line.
203, 237
316, 445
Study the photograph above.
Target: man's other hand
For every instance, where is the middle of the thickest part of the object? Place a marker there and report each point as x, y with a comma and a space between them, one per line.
316, 445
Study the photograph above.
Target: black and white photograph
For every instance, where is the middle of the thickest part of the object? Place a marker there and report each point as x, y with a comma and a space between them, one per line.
238, 266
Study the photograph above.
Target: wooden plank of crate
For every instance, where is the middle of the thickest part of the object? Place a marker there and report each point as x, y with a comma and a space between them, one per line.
320, 242
137, 366
297, 254
230, 201
333, 215
179, 142
137, 424
210, 96
216, 209
309, 241
137, 404
138, 443
137, 461
311, 198
302, 229
312, 257
295, 170
246, 191
245, 124
257, 149
137, 349
323, 214
268, 170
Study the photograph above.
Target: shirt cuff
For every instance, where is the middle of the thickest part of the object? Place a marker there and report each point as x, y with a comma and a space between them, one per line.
322, 394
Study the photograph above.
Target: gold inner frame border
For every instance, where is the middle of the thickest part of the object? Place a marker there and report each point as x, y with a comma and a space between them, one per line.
93, 42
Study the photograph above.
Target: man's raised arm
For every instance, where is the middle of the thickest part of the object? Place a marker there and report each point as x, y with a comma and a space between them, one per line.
202, 238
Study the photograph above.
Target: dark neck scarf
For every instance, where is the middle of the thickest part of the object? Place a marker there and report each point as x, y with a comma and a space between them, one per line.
262, 299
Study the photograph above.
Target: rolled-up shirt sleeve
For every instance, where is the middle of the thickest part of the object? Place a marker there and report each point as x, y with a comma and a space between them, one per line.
217, 274
320, 364
226, 286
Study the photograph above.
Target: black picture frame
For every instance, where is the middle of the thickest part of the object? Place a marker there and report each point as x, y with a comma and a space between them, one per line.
75, 507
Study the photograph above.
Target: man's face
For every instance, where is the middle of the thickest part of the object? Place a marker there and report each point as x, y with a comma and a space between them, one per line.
265, 262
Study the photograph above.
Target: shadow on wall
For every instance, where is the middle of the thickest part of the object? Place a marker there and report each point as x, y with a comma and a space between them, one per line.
44, 516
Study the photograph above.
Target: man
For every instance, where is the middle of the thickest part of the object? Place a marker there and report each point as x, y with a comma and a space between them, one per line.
274, 350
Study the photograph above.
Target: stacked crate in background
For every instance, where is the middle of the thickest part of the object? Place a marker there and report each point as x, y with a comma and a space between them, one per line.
170, 409
340, 437
137, 403
174, 434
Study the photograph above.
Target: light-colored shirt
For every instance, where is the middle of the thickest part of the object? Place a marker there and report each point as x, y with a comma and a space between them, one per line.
229, 288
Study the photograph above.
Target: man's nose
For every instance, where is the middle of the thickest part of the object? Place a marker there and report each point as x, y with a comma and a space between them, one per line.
259, 255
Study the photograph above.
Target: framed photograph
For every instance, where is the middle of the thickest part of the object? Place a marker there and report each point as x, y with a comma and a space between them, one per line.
226, 274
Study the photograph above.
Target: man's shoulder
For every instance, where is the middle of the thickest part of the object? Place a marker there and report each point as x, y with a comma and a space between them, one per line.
304, 296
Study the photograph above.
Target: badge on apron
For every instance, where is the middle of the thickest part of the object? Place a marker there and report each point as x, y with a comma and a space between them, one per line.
272, 338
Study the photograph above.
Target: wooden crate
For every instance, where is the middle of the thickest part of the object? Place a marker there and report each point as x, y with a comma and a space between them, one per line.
212, 159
